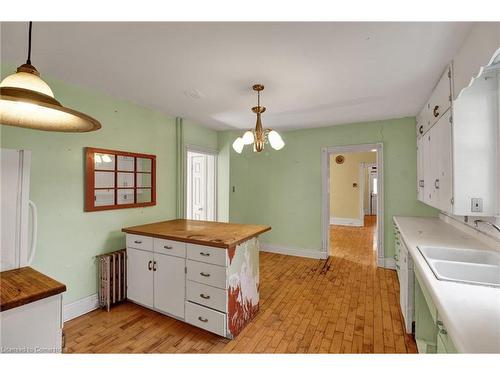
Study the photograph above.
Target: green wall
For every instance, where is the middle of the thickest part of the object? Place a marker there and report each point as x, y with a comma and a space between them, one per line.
283, 188
68, 237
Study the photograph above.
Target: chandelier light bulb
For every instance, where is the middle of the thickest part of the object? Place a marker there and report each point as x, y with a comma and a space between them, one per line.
275, 140
248, 137
238, 145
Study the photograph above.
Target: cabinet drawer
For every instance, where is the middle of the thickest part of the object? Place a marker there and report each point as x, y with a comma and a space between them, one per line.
208, 319
207, 254
168, 247
206, 295
204, 273
139, 242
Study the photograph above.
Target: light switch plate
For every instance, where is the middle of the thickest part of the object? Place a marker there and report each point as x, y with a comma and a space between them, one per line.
476, 204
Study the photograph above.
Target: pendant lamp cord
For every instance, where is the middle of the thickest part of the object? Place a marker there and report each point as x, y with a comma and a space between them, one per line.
29, 44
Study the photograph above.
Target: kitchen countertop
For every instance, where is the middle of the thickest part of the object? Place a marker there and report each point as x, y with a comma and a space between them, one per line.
209, 233
24, 285
470, 313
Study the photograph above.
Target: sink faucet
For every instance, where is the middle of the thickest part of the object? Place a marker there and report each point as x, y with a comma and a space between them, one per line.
486, 222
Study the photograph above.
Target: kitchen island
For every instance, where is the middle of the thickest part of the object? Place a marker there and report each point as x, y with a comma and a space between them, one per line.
204, 273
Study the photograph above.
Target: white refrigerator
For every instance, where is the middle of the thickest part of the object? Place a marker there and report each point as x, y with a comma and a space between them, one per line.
35, 327
18, 213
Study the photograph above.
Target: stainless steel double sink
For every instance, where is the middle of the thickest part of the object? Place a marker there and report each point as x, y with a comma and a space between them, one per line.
470, 266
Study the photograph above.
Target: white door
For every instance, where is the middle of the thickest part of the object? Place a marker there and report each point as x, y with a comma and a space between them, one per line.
373, 181
140, 276
169, 284
200, 189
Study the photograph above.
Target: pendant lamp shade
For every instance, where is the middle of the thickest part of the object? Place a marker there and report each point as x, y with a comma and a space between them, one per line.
27, 101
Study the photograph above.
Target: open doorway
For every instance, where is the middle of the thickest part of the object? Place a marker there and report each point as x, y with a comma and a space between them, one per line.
353, 203
201, 186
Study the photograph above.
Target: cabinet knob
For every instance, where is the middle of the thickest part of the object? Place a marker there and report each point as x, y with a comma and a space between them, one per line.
435, 111
204, 320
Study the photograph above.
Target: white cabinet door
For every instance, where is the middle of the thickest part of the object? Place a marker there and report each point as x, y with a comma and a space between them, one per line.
444, 163
440, 100
169, 284
140, 276
32, 328
429, 165
420, 168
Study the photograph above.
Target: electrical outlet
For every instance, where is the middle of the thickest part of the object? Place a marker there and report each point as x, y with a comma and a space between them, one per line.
476, 204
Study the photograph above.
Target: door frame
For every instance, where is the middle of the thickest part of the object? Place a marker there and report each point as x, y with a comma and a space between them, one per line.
325, 194
200, 150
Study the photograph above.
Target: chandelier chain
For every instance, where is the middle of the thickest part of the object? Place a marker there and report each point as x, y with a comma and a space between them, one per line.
29, 43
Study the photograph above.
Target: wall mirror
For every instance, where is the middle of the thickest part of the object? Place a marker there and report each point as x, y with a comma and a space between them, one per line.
119, 179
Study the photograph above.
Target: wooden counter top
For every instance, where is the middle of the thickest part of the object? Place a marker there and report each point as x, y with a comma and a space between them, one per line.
209, 233
24, 285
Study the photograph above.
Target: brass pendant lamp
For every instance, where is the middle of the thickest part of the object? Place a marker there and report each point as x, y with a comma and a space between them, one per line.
260, 136
27, 101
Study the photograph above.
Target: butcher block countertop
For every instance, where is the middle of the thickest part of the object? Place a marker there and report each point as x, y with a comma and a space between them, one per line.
208, 233
24, 285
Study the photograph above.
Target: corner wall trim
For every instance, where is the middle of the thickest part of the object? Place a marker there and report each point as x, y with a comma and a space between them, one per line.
293, 251
81, 306
346, 221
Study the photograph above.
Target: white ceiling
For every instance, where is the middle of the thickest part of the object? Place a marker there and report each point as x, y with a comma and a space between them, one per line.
316, 74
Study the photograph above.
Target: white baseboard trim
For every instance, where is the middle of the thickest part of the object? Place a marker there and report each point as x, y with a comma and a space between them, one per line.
346, 221
293, 251
79, 307
388, 263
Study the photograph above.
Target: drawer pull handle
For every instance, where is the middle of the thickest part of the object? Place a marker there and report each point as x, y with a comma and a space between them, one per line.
137, 241
204, 296
204, 254
204, 274
421, 129
154, 265
435, 111
149, 265
204, 320
167, 247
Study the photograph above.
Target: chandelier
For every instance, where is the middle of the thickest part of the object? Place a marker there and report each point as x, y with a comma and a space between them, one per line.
260, 136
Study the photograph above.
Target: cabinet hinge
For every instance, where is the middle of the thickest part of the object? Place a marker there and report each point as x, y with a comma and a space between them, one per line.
449, 98
451, 119
452, 200
449, 73
185, 269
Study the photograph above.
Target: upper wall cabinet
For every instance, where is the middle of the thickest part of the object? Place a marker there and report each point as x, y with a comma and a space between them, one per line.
457, 145
119, 179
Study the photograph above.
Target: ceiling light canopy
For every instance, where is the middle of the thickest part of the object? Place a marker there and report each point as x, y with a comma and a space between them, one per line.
260, 136
28, 102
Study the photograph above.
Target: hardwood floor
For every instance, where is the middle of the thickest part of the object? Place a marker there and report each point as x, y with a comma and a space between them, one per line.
341, 305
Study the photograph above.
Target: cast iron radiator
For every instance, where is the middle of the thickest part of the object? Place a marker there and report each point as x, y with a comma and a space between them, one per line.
112, 278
